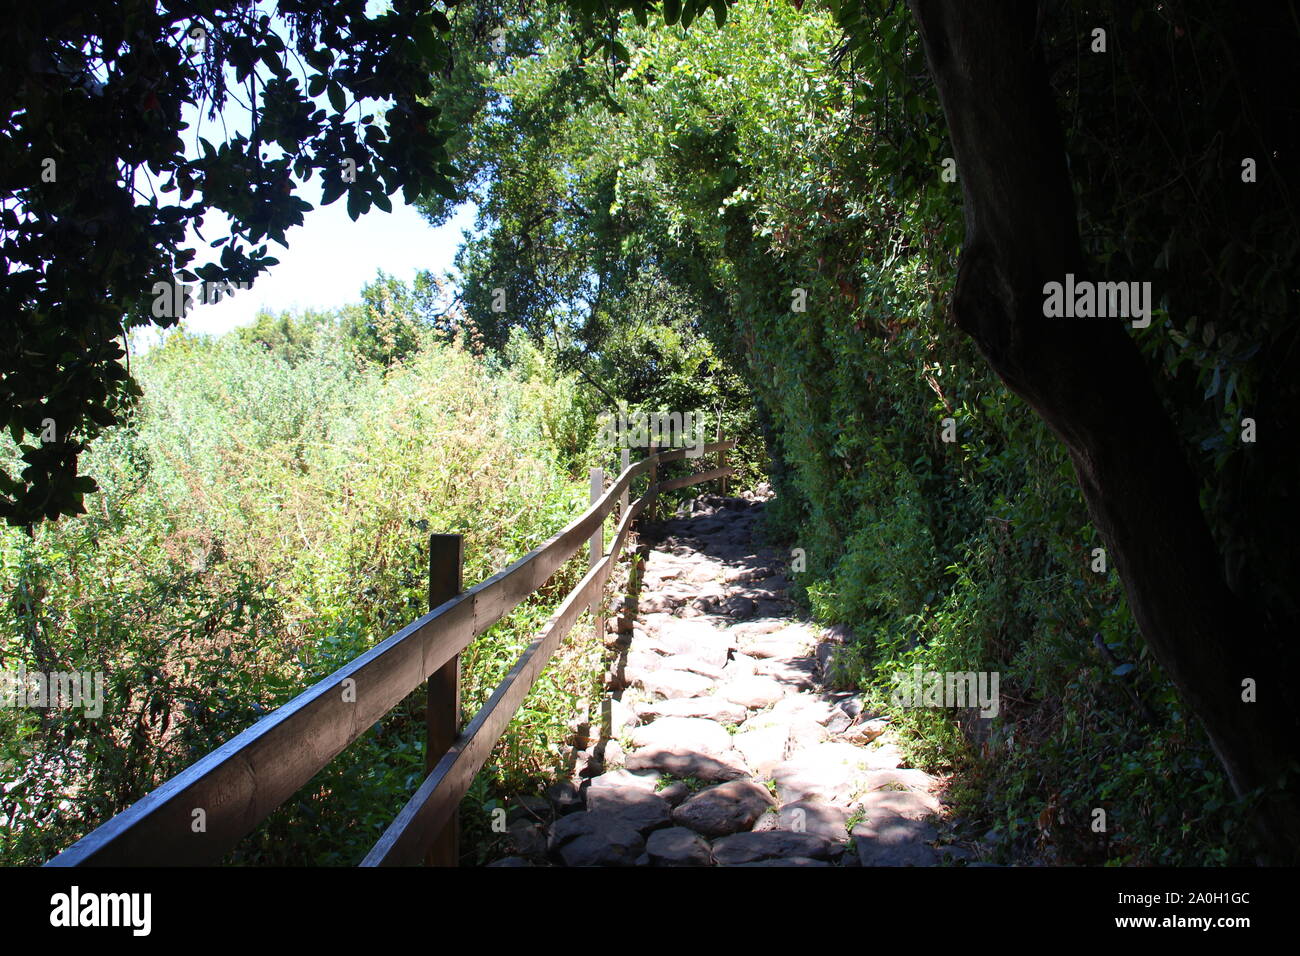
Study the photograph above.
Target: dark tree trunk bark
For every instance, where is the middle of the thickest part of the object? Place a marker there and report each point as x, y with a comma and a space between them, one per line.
1086, 378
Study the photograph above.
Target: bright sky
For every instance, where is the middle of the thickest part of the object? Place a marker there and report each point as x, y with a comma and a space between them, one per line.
330, 258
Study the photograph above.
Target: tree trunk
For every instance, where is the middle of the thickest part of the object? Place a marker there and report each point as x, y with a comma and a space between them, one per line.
1086, 378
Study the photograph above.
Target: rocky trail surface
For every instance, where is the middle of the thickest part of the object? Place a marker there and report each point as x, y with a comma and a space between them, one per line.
718, 741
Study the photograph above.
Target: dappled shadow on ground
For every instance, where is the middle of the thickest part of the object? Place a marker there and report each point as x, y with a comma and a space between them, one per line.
718, 740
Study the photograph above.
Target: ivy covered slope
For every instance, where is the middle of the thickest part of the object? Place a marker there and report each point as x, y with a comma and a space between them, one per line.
782, 180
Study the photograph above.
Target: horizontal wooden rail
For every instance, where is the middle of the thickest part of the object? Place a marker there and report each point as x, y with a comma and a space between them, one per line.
678, 454
695, 479
434, 803
437, 798
200, 814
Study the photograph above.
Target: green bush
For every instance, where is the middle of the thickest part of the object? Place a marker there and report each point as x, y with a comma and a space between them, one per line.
263, 519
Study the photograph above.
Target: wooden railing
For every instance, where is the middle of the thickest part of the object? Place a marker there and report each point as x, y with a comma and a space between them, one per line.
200, 814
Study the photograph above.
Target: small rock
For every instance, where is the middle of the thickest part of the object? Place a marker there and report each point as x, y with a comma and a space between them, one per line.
660, 602
771, 609
610, 754
726, 808
867, 731
882, 757
772, 844
740, 665
643, 662
739, 607
894, 840
753, 692
677, 846
839, 634
706, 573
687, 662
831, 772
755, 629
900, 780
711, 707
675, 793
671, 684
912, 804
804, 706
839, 722
775, 646
852, 704
620, 779
701, 641
704, 767
813, 816
684, 734
826, 655
804, 734
596, 839
798, 673
762, 749
639, 809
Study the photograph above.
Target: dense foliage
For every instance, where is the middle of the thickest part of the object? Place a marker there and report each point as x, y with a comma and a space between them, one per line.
262, 519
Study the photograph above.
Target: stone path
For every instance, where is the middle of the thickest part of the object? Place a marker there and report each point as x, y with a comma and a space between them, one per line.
718, 743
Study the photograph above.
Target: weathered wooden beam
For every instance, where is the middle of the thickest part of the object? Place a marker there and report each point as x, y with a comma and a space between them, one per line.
695, 479
442, 710
435, 801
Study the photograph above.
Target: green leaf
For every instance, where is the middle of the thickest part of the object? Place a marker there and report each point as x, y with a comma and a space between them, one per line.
719, 12
672, 11
430, 46
331, 191
357, 203
443, 186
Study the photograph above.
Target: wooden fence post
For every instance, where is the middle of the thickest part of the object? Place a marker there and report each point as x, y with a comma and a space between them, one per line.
652, 510
442, 714
622, 499
722, 457
597, 549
